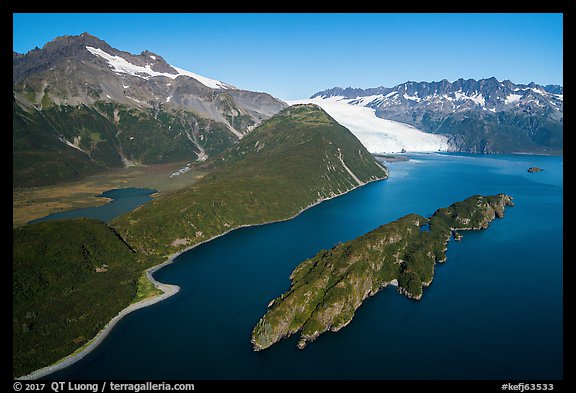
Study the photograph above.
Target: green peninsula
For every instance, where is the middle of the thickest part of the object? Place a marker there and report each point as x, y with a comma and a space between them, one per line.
327, 289
294, 160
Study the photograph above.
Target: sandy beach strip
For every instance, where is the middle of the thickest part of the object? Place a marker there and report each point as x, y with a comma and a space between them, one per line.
167, 289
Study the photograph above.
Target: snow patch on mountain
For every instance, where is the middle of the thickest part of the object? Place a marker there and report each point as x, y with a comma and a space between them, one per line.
539, 91
376, 134
367, 100
512, 98
123, 66
477, 98
413, 98
211, 83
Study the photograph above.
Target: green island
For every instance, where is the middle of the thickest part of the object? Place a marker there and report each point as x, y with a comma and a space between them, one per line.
327, 289
71, 277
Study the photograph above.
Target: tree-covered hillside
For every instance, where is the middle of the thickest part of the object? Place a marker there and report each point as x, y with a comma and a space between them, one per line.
290, 162
70, 277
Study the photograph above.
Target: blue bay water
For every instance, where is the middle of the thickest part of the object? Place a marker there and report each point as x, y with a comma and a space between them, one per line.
123, 201
493, 311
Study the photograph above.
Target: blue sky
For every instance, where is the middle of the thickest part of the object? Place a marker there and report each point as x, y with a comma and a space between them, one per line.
293, 56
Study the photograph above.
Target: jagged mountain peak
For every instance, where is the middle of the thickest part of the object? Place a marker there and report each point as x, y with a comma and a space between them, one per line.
554, 89
151, 55
76, 43
86, 49
484, 94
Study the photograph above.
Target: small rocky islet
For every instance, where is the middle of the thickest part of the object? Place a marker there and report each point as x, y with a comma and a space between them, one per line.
327, 289
534, 169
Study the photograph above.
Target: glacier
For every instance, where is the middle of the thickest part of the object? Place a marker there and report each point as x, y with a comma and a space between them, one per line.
377, 135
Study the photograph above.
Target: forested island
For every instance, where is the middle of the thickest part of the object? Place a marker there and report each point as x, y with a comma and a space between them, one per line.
327, 289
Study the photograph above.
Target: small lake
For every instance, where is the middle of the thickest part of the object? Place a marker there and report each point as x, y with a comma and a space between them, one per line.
123, 201
493, 311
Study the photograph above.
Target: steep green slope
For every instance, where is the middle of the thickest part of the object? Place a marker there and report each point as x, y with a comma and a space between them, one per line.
70, 277
62, 143
39, 158
328, 288
498, 132
295, 159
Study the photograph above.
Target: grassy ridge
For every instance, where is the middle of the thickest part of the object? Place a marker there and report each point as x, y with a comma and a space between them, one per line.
70, 277
288, 163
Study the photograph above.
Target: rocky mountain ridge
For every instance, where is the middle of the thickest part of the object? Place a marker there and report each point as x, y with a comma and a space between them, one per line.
484, 116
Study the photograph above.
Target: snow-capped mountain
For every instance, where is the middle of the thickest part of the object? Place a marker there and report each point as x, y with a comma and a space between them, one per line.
84, 69
476, 116
99, 107
376, 134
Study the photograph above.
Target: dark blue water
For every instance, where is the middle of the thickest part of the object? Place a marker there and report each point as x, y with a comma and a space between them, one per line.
123, 201
493, 311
